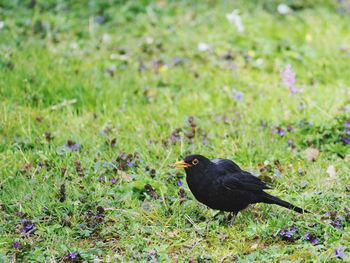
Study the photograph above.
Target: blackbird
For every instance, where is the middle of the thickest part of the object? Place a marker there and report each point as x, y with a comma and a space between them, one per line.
222, 185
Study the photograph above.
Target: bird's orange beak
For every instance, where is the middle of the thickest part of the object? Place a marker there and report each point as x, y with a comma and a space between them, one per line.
182, 164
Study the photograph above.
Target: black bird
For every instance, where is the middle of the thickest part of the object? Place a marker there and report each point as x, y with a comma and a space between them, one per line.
222, 185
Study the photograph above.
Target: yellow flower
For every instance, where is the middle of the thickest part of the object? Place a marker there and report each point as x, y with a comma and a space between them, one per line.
251, 53
163, 68
308, 37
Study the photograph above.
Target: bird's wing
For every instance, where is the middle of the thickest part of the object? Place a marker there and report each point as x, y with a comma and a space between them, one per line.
243, 181
232, 177
226, 164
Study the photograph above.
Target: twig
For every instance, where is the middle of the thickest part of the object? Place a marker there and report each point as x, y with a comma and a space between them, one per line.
192, 222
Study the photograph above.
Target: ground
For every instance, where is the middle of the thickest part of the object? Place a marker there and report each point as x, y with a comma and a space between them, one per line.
99, 98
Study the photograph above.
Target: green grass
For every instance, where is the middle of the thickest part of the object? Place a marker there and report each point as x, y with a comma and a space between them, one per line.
65, 74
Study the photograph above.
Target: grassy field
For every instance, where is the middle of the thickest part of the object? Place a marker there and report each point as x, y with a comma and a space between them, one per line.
99, 98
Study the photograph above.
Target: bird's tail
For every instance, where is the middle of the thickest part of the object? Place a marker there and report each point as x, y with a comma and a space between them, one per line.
270, 199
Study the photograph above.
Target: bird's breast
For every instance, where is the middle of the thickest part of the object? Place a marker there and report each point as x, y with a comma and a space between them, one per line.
201, 188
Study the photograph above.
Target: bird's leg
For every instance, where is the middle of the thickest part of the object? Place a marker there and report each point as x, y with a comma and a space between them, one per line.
214, 217
233, 218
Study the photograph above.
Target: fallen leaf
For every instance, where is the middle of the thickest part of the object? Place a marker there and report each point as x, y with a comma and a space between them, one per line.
311, 154
172, 234
126, 177
331, 172
26, 168
262, 246
223, 236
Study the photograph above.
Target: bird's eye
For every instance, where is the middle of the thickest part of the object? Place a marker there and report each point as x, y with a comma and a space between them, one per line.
195, 161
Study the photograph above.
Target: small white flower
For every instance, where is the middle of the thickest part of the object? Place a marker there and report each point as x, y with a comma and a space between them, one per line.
259, 61
149, 40
106, 38
283, 9
343, 47
2, 24
203, 46
236, 19
73, 45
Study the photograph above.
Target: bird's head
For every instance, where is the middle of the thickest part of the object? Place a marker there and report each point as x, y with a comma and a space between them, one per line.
193, 163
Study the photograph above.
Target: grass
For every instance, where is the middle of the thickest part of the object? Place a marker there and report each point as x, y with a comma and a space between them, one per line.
112, 87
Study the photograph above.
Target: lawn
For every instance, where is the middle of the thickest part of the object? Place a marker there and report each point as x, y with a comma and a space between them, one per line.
99, 98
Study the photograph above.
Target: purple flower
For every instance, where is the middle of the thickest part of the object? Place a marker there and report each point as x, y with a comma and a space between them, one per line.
75, 146
307, 237
114, 180
301, 172
154, 63
28, 227
315, 241
346, 141
237, 95
175, 61
131, 164
23, 221
290, 142
240, 95
72, 145
180, 183
173, 137
301, 106
347, 132
16, 244
288, 79
142, 67
337, 223
99, 19
289, 234
102, 178
347, 124
73, 255
339, 252
282, 233
281, 132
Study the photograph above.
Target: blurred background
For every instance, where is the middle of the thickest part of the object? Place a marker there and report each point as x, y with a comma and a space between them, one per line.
98, 98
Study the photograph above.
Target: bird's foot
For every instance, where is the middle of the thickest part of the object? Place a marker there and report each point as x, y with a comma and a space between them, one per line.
211, 219
233, 219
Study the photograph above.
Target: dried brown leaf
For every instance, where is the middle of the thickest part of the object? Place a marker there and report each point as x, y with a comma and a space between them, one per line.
126, 177
311, 154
